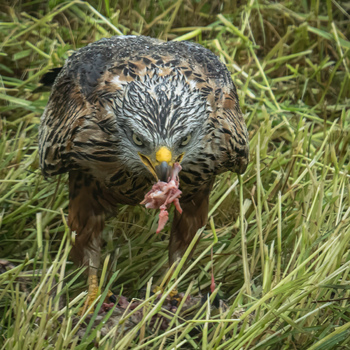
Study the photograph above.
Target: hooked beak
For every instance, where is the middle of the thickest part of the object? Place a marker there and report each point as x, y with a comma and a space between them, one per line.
163, 171
162, 168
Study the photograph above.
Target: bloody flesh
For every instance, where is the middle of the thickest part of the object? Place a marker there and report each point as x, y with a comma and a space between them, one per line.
162, 195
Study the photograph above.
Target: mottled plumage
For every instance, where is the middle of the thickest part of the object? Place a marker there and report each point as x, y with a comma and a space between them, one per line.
119, 100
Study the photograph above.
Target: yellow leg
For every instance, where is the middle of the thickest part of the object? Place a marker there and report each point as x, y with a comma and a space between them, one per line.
166, 279
93, 293
109, 294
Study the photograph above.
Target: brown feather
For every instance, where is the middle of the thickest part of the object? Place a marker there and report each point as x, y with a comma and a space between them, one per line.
86, 217
194, 216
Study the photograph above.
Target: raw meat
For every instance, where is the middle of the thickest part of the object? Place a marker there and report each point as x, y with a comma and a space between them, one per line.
163, 194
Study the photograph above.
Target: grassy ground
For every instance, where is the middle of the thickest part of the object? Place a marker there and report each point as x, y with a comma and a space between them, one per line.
280, 259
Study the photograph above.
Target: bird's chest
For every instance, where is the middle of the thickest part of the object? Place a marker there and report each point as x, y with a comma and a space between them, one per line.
132, 191
129, 190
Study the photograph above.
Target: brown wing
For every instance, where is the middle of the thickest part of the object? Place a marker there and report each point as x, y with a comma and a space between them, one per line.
231, 130
59, 123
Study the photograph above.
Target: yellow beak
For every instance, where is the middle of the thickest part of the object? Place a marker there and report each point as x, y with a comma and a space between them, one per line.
161, 169
164, 155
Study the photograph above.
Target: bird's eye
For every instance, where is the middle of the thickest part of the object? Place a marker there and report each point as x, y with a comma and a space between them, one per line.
186, 140
137, 140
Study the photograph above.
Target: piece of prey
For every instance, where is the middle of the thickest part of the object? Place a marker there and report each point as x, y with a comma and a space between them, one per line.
163, 194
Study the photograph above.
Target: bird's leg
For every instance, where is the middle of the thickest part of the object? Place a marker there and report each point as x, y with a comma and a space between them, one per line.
92, 253
194, 216
86, 218
185, 226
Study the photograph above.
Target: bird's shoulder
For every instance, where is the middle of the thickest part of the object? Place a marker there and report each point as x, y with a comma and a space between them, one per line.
95, 65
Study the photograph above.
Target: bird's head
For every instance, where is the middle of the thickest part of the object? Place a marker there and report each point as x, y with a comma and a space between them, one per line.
163, 119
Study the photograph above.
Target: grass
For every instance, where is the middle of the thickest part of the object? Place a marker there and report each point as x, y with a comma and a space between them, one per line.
279, 234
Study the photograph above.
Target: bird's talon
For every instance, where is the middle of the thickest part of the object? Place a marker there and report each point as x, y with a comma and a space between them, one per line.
173, 293
111, 297
175, 298
93, 293
157, 289
175, 302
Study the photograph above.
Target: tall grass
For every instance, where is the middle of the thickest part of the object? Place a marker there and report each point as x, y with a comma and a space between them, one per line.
279, 234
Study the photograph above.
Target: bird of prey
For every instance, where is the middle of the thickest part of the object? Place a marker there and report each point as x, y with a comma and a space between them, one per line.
121, 113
